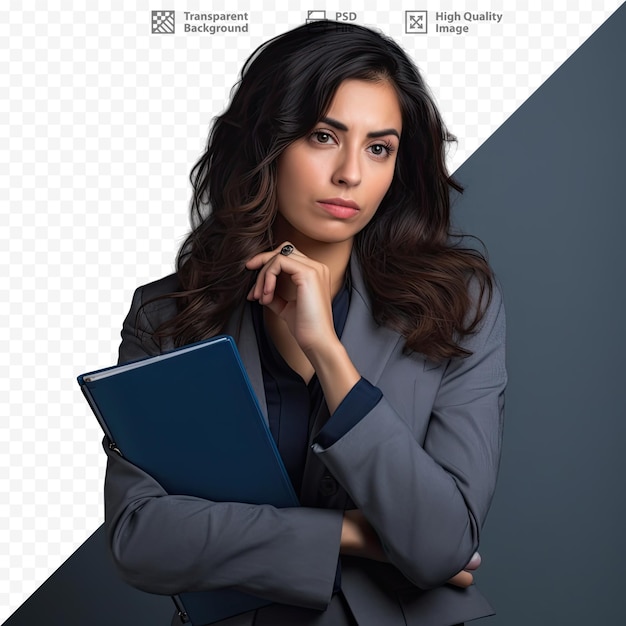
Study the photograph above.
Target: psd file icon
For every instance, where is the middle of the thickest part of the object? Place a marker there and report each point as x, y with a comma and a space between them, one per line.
314, 16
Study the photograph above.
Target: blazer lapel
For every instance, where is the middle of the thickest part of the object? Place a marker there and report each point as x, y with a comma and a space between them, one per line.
368, 344
241, 328
370, 347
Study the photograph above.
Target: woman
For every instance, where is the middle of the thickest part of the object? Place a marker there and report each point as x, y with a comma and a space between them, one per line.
375, 343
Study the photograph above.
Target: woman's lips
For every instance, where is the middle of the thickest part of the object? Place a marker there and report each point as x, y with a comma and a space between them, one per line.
338, 207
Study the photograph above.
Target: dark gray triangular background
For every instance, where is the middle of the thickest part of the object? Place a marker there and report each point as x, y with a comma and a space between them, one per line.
546, 195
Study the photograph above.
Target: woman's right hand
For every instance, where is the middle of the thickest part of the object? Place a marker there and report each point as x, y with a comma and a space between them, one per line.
358, 538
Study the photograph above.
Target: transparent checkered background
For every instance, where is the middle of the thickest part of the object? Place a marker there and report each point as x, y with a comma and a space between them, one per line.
100, 123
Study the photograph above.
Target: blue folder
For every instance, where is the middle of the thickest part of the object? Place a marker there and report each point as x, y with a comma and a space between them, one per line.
191, 420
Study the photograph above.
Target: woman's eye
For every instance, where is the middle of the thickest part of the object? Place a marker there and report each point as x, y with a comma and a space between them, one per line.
381, 149
322, 137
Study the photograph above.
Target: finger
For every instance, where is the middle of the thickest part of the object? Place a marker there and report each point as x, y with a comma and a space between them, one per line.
474, 562
276, 304
267, 277
267, 283
250, 295
277, 264
257, 287
259, 260
462, 579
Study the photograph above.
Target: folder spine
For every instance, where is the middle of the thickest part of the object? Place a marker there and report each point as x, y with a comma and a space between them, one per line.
96, 411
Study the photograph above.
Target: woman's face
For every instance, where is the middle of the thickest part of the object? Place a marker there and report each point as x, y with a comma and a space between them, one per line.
331, 181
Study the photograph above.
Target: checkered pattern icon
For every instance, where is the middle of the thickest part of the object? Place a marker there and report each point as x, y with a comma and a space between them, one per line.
163, 22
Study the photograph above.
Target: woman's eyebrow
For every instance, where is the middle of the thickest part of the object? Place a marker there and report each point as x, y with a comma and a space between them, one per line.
376, 133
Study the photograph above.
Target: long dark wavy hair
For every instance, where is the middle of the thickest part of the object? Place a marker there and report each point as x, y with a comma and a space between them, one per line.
417, 272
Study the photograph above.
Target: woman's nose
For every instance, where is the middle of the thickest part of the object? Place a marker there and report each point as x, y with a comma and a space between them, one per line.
348, 168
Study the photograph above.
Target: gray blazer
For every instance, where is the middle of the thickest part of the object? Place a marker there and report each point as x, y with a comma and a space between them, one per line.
421, 466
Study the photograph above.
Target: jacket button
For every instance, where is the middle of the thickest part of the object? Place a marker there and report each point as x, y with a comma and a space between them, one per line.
328, 485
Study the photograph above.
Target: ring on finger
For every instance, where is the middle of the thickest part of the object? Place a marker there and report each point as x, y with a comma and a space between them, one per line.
287, 249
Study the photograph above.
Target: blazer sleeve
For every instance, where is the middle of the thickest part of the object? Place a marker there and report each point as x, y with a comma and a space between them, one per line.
168, 544
428, 500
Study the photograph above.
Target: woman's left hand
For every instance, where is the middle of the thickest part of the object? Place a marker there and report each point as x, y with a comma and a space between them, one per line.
358, 538
298, 290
